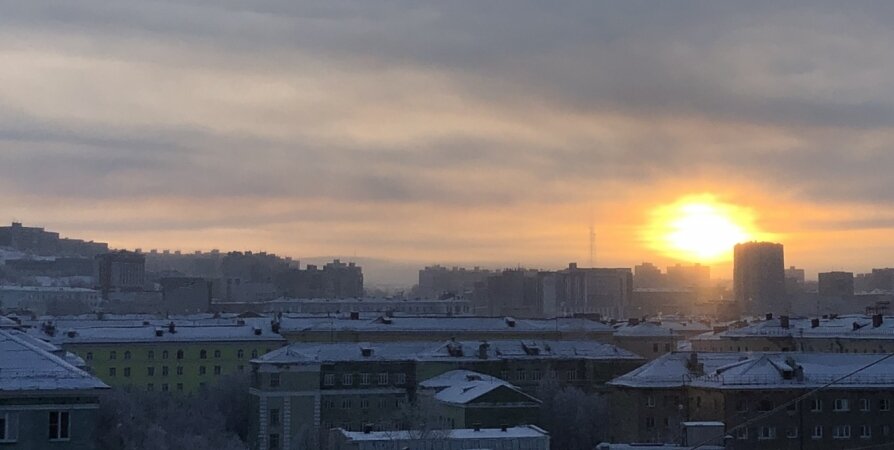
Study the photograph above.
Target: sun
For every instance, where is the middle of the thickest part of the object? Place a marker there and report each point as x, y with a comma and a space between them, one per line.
700, 228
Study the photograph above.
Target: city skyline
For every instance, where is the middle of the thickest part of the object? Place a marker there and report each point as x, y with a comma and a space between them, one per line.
419, 134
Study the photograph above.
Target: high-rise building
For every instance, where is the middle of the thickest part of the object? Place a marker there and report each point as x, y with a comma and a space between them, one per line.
647, 275
120, 271
759, 277
836, 284
693, 276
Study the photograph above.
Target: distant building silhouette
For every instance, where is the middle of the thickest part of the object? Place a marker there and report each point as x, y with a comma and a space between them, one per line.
648, 276
836, 284
120, 271
794, 280
41, 242
693, 276
759, 277
435, 281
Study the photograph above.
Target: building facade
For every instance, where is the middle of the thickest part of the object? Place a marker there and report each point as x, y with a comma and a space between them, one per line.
759, 278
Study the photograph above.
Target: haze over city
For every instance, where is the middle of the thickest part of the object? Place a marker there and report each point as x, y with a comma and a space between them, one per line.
434, 132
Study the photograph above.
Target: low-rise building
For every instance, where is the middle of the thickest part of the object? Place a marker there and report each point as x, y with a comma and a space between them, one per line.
464, 399
302, 390
172, 358
528, 437
49, 300
767, 400
45, 402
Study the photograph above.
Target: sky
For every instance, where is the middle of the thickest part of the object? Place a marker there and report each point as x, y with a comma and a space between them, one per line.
455, 132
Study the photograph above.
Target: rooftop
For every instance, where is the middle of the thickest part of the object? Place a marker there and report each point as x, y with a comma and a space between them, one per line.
25, 366
527, 431
761, 371
315, 353
152, 333
855, 326
463, 386
428, 324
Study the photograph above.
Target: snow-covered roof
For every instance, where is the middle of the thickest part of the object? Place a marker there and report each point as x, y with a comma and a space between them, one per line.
25, 366
646, 329
315, 353
156, 334
463, 386
787, 370
851, 326
527, 431
442, 324
16, 288
607, 446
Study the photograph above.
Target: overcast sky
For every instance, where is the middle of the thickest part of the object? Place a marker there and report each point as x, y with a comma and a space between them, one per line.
448, 131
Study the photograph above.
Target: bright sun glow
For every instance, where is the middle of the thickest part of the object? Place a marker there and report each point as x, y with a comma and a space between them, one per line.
700, 228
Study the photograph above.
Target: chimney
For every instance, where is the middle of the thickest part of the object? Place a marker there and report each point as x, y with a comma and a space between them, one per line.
367, 429
814, 323
784, 322
240, 322
632, 322
366, 351
769, 316
877, 320
510, 321
172, 328
257, 331
482, 350
72, 333
274, 326
355, 315
856, 326
504, 427
476, 426
159, 331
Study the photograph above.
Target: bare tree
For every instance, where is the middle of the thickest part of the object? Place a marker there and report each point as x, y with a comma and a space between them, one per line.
575, 419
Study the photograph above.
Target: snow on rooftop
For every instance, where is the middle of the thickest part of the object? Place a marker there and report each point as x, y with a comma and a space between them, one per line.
27, 367
527, 431
464, 386
760, 371
156, 333
444, 350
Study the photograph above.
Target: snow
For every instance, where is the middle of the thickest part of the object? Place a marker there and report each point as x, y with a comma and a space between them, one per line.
28, 367
528, 431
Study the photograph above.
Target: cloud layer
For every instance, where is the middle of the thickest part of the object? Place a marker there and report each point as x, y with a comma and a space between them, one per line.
452, 131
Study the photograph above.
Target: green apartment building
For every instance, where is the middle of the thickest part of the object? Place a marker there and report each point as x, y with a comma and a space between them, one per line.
171, 358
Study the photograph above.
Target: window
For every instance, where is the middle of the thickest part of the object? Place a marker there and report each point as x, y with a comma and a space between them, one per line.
202, 370
400, 378
816, 405
113, 354
60, 425
865, 432
842, 404
667, 347
180, 387
127, 372
217, 353
274, 416
240, 353
347, 379
203, 354
767, 433
520, 374
346, 404
89, 356
9, 427
864, 404
150, 387
112, 372
364, 403
650, 401
650, 422
817, 432
164, 354
841, 432
254, 353
383, 379
654, 348
127, 354
164, 371
791, 432
274, 442
150, 371
365, 379
217, 370
150, 354
274, 378
884, 404
329, 379
179, 354
164, 387
179, 370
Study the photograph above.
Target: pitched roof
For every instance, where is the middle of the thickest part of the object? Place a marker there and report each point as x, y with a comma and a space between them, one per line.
28, 367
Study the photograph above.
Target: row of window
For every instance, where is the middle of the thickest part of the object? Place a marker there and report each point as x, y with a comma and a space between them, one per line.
816, 405
203, 354
150, 371
59, 426
817, 432
363, 403
366, 379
